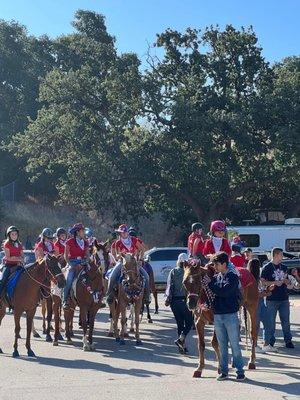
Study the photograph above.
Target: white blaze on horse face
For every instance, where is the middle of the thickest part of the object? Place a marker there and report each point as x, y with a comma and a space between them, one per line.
191, 279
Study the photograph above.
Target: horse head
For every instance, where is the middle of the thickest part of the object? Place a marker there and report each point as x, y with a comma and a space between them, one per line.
53, 268
192, 283
102, 257
130, 269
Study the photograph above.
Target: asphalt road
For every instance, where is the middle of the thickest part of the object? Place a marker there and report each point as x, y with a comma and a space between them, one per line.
153, 371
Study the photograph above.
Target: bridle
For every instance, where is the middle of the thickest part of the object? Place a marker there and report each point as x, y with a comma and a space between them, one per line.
47, 270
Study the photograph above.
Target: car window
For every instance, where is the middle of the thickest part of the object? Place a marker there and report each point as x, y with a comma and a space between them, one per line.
250, 240
162, 255
292, 245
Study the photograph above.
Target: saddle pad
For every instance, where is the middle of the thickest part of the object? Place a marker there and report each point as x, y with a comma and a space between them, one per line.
246, 278
56, 291
12, 282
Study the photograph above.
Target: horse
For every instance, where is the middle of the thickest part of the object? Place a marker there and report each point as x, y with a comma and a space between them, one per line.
26, 295
199, 300
130, 291
88, 296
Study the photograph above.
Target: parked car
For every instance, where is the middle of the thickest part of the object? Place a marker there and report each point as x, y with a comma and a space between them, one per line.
162, 260
29, 256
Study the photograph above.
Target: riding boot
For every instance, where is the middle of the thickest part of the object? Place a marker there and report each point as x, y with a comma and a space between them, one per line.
112, 282
147, 293
3, 281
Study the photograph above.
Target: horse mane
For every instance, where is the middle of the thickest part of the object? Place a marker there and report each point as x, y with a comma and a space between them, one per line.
254, 267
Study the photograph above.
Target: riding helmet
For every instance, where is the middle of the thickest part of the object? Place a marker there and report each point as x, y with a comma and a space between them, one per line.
132, 231
88, 232
218, 226
75, 228
196, 226
47, 233
122, 229
60, 231
11, 229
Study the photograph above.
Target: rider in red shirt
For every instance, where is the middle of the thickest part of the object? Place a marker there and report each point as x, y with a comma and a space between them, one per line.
13, 255
195, 240
126, 244
218, 241
76, 255
45, 245
60, 243
237, 258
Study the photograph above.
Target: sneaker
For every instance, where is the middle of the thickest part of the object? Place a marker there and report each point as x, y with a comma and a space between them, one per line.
180, 344
222, 377
258, 350
240, 377
289, 345
269, 349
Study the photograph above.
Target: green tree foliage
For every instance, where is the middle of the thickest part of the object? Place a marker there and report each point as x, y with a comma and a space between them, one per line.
210, 130
90, 102
210, 101
23, 60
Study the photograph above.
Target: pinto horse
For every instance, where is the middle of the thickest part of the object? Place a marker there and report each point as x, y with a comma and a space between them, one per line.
89, 295
130, 291
27, 295
199, 301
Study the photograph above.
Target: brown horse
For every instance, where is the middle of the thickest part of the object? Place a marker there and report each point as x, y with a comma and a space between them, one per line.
130, 291
89, 302
27, 295
200, 301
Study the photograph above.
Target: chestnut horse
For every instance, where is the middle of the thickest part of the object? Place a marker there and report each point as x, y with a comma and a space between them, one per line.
130, 291
199, 294
27, 295
89, 302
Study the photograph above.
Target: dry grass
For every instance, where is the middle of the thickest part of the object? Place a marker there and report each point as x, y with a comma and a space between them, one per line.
31, 218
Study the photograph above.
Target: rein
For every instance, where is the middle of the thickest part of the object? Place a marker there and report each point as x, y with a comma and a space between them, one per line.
46, 270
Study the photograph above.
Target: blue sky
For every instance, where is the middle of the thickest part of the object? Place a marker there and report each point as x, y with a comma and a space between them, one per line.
134, 23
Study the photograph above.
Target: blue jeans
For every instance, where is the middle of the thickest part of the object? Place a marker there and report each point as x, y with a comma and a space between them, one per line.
283, 308
114, 278
5, 275
262, 317
70, 278
227, 328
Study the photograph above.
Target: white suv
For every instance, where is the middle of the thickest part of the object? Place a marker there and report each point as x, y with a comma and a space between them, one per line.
162, 260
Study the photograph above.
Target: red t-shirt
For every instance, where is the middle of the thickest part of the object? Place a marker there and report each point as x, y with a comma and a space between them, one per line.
191, 241
238, 260
210, 249
59, 247
49, 249
13, 252
75, 251
121, 248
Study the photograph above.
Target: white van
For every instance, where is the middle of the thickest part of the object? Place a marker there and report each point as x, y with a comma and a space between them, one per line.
262, 238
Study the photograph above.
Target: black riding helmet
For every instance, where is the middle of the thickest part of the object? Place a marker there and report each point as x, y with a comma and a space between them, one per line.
60, 231
132, 231
196, 226
11, 229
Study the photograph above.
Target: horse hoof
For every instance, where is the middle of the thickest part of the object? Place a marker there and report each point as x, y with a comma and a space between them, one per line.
36, 335
131, 330
155, 312
60, 337
219, 371
16, 354
197, 374
110, 334
72, 334
251, 365
86, 348
30, 353
69, 341
126, 335
122, 342
150, 321
93, 347
55, 343
19, 336
1, 352
44, 331
232, 365
139, 342
118, 339
48, 338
